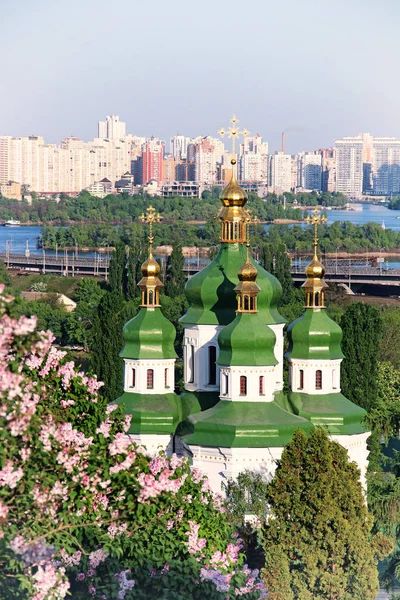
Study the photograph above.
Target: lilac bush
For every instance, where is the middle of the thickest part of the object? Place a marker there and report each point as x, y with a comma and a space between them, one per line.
86, 512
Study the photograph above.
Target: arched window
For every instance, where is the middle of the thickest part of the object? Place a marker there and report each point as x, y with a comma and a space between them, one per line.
226, 384
166, 377
151, 295
261, 385
301, 379
212, 367
190, 363
334, 386
246, 303
243, 385
318, 380
133, 380
150, 379
317, 299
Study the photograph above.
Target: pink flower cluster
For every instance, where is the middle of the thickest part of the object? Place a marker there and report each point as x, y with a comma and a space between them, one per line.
253, 584
9, 476
152, 487
97, 557
48, 583
194, 543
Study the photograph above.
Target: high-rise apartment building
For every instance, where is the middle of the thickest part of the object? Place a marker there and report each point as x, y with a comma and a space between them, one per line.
152, 161
309, 170
386, 166
205, 161
112, 128
328, 165
280, 179
253, 167
349, 166
178, 146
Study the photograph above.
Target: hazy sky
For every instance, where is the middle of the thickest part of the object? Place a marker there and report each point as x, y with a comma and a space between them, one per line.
320, 69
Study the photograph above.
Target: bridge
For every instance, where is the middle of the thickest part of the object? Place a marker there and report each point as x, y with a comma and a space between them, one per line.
65, 264
358, 276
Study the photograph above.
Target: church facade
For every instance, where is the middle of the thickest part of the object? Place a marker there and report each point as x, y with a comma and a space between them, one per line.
234, 414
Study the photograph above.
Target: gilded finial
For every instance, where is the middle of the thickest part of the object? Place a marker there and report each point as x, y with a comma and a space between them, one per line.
233, 132
149, 218
315, 271
316, 219
150, 284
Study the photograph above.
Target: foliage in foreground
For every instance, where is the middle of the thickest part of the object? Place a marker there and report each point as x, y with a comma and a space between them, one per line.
318, 541
82, 509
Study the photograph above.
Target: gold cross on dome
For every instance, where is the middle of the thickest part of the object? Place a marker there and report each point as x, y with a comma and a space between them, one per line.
316, 219
233, 132
150, 217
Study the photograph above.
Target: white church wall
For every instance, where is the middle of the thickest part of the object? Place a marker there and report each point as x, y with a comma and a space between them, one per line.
137, 378
197, 341
307, 383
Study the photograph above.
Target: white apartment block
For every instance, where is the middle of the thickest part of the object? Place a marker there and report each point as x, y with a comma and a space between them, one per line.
282, 176
112, 128
205, 161
253, 167
349, 166
178, 146
386, 166
75, 165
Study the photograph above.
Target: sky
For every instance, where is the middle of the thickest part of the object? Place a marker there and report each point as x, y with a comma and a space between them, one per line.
315, 69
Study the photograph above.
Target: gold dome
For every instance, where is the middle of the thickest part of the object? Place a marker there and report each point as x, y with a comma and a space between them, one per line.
150, 268
233, 195
247, 272
315, 270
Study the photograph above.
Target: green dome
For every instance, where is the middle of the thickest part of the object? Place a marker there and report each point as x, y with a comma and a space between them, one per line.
247, 341
149, 335
314, 335
211, 294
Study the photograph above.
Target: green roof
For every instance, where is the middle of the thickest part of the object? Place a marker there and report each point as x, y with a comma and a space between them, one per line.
314, 335
232, 424
151, 413
149, 335
247, 341
333, 411
211, 294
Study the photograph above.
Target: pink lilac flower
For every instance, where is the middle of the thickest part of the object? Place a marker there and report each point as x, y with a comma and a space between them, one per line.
176, 462
97, 557
120, 444
3, 510
158, 464
194, 543
104, 428
71, 560
18, 544
10, 477
110, 408
170, 524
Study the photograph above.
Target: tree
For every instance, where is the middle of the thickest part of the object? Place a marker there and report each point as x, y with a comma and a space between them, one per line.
81, 321
175, 277
390, 343
107, 344
85, 511
5, 276
131, 275
362, 327
116, 268
317, 540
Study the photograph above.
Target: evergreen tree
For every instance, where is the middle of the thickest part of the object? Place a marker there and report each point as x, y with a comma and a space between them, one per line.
131, 274
266, 256
112, 315
361, 325
175, 277
318, 541
116, 268
281, 270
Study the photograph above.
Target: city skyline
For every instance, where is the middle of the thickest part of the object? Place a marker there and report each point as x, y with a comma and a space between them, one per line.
317, 71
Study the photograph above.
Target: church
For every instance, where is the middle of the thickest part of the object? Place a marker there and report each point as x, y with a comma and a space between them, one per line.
234, 414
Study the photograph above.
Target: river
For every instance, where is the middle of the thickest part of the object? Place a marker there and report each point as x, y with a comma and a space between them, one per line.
17, 239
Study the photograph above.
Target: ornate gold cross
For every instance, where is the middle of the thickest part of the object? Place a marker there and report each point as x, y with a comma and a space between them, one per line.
233, 132
316, 219
150, 217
